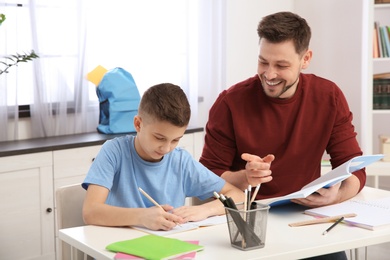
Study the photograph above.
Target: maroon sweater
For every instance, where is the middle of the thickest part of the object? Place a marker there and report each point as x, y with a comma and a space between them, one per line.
296, 130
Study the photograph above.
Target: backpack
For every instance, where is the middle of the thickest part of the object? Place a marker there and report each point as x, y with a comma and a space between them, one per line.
119, 99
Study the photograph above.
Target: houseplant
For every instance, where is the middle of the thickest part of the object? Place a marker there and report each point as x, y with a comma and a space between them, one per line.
14, 60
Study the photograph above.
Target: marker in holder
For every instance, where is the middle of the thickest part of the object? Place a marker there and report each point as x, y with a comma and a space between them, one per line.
247, 228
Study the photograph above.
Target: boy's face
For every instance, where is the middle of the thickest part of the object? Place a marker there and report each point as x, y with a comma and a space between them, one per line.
156, 138
279, 67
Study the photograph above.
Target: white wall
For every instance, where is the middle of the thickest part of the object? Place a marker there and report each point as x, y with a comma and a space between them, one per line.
241, 50
340, 45
242, 18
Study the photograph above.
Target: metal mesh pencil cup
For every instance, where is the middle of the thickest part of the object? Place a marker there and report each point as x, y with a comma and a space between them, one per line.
247, 228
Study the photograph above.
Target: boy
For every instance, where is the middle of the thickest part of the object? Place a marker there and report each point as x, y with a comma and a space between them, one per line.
150, 161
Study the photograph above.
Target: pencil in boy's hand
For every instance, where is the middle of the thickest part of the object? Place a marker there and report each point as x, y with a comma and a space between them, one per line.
153, 201
150, 198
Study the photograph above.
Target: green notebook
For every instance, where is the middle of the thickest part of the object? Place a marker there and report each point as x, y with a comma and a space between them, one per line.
154, 247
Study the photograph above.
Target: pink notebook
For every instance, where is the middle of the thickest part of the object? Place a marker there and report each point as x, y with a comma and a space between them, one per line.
189, 256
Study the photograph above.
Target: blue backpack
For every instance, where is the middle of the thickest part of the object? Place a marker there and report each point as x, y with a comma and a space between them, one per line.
119, 100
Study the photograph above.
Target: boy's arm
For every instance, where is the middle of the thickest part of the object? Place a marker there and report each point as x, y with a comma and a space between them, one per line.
96, 212
212, 208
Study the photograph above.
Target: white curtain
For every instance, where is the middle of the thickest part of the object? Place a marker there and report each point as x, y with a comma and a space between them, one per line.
61, 97
177, 41
9, 45
53, 85
4, 113
211, 57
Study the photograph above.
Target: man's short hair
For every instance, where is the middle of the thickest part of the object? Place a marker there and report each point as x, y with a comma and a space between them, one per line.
284, 26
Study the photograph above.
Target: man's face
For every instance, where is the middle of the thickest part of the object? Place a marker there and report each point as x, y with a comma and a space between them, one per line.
279, 67
156, 138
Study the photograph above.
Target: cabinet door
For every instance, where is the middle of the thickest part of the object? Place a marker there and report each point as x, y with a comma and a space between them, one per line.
73, 162
26, 206
187, 143
198, 144
193, 143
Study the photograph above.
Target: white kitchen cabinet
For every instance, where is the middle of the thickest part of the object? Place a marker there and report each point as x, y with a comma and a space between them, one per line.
71, 165
26, 206
193, 143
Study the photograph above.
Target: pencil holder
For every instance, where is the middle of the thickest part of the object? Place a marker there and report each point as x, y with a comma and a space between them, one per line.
247, 228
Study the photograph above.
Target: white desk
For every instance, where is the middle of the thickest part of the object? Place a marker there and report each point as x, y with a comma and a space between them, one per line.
282, 241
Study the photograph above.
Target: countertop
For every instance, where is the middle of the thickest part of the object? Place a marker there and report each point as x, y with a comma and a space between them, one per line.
36, 145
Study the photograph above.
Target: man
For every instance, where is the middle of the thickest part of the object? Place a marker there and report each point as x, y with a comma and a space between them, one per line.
272, 129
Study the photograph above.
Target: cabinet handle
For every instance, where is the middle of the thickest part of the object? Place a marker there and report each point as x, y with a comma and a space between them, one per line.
48, 210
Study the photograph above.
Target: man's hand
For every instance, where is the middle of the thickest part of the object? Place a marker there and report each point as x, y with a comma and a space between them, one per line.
257, 170
322, 197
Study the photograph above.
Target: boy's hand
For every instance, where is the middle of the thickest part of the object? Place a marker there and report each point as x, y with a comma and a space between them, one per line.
191, 213
157, 219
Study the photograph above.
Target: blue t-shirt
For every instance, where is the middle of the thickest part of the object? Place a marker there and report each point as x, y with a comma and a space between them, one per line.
120, 169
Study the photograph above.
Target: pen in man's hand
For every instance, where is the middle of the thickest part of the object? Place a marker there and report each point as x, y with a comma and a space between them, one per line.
334, 224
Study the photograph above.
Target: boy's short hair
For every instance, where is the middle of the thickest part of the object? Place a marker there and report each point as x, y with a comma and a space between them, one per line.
166, 102
283, 26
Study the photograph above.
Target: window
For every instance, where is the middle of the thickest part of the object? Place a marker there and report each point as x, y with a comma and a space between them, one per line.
149, 38
156, 41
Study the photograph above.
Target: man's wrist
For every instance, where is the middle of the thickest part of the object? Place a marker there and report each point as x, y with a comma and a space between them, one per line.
238, 179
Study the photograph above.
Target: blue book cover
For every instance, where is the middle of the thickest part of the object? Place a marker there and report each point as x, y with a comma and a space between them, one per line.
327, 180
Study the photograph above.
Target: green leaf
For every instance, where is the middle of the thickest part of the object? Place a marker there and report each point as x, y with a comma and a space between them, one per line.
16, 58
2, 18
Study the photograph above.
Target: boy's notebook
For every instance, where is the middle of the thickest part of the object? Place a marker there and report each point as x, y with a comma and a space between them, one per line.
211, 221
187, 256
372, 214
329, 179
154, 247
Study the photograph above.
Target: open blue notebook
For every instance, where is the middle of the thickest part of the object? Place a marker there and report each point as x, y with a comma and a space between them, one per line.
327, 180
